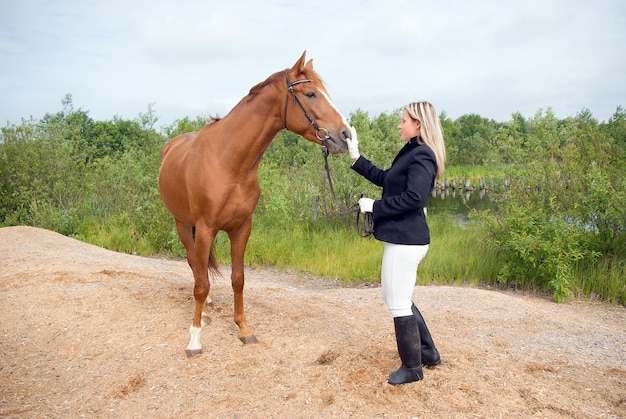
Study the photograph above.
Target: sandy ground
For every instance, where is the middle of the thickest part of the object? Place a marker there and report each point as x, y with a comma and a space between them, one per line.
86, 332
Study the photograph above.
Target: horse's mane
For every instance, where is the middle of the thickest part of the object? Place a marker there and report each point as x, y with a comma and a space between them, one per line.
278, 77
281, 76
251, 95
270, 80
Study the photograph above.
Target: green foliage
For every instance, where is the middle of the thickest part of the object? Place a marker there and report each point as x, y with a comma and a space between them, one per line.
476, 144
539, 250
114, 138
512, 139
616, 128
568, 210
452, 135
184, 125
589, 180
458, 254
37, 165
559, 223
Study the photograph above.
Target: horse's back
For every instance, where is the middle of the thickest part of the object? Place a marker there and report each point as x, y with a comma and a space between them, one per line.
177, 141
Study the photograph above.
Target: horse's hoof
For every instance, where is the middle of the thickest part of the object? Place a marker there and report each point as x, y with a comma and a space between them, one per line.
248, 339
193, 352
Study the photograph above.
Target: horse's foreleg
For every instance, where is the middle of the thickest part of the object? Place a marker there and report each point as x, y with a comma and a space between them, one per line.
238, 242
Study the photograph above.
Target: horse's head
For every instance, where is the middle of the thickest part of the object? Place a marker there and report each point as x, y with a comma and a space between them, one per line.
310, 112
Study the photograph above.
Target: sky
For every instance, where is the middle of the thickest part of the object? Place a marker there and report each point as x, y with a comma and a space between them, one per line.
186, 58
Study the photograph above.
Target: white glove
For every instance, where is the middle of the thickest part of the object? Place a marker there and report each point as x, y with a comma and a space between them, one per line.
366, 205
353, 144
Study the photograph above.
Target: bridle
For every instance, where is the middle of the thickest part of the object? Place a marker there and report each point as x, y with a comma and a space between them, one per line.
364, 228
308, 116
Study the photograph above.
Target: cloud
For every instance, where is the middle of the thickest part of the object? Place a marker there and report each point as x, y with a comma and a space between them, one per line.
190, 57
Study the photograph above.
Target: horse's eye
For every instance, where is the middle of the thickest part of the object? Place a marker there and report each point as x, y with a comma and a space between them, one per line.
310, 95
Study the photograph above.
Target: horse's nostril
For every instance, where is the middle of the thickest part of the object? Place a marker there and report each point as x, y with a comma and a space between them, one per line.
345, 134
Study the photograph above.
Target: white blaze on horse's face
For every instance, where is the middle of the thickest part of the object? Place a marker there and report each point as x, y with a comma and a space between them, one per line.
341, 136
337, 141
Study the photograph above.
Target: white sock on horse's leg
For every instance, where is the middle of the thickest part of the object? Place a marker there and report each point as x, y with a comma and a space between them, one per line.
194, 341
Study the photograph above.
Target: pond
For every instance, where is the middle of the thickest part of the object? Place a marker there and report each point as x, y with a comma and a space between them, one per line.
458, 203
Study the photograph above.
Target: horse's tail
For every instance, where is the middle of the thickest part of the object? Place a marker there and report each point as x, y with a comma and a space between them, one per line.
213, 266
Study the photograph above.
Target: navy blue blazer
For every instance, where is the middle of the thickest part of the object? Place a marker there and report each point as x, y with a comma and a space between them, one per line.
399, 215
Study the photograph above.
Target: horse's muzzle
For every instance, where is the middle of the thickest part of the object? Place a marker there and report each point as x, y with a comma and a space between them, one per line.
336, 143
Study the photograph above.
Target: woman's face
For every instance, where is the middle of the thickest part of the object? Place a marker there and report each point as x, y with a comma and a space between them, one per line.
408, 127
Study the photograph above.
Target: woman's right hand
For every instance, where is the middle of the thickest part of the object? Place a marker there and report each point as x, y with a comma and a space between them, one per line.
353, 144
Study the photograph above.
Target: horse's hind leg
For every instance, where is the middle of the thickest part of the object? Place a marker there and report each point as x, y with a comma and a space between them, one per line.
198, 249
238, 242
205, 315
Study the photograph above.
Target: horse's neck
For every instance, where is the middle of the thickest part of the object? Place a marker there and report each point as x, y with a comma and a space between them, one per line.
243, 135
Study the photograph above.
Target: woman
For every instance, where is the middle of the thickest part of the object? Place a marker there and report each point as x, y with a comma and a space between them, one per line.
400, 222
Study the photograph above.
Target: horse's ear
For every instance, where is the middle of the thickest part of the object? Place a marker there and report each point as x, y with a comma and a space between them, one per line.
309, 65
299, 65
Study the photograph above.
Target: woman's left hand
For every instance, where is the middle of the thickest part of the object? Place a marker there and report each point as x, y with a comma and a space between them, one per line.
353, 144
366, 205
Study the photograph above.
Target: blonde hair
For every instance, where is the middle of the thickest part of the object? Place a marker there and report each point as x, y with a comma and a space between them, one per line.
430, 131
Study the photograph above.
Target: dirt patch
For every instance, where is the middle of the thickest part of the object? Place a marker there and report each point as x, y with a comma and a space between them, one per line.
86, 332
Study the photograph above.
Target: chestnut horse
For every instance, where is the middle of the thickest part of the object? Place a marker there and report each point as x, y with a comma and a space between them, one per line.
209, 179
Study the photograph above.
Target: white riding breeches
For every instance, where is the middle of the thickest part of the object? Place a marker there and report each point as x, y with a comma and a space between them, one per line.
399, 269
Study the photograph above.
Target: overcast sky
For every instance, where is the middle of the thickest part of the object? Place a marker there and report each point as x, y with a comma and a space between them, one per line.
189, 58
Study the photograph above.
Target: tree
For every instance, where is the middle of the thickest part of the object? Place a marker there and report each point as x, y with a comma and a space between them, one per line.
451, 135
114, 138
616, 127
474, 145
510, 139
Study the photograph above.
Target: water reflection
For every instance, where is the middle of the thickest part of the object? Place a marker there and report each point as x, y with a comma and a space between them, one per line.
458, 203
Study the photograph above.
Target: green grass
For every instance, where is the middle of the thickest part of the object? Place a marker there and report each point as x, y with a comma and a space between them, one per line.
475, 172
331, 249
456, 254
116, 234
604, 279
323, 250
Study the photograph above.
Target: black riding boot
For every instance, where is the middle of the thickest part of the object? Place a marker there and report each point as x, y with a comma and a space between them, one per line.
430, 354
408, 340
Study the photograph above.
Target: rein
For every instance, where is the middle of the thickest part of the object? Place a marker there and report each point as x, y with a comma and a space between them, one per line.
365, 227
